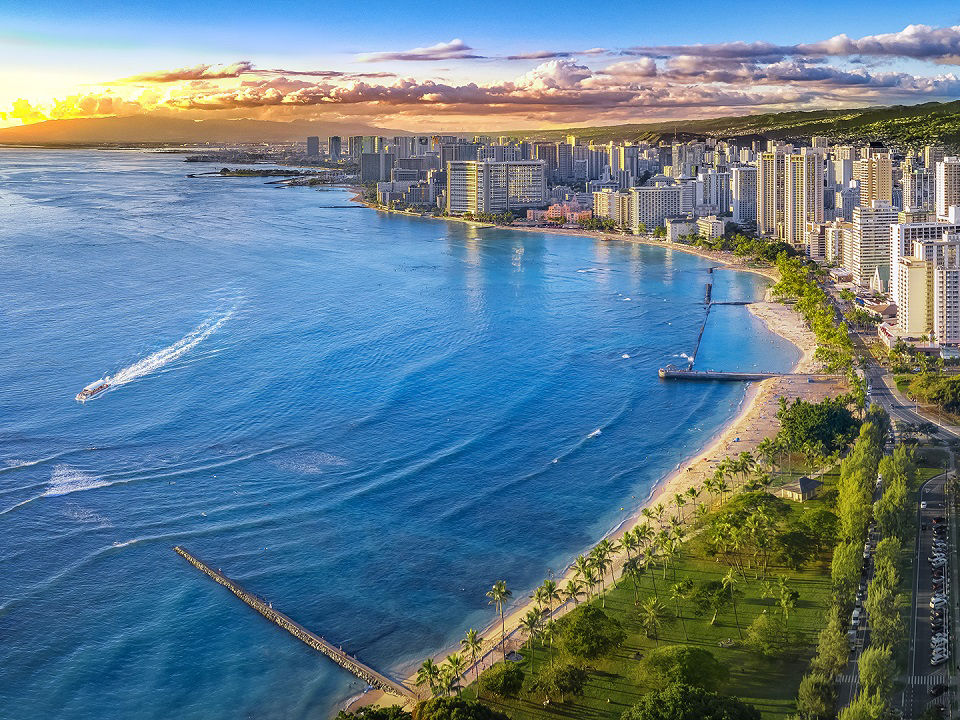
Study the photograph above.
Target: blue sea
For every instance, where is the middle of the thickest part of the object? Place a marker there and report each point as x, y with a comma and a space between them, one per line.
363, 417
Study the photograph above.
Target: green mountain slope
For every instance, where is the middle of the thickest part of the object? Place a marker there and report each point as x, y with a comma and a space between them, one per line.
906, 125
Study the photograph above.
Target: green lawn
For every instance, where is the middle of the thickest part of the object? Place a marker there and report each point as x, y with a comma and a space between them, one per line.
768, 684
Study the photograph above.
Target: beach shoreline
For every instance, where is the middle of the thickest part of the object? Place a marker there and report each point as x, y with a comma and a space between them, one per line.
754, 420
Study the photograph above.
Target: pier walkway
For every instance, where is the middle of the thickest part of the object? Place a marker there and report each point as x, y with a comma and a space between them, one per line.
672, 372
348, 662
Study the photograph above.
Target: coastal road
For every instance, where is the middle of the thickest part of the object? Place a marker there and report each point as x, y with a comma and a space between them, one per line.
921, 675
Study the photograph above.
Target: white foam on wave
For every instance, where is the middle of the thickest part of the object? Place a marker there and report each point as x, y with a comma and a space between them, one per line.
157, 360
86, 515
309, 462
65, 480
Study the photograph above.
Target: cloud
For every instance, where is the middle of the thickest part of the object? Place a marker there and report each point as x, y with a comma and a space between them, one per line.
456, 49
919, 42
197, 72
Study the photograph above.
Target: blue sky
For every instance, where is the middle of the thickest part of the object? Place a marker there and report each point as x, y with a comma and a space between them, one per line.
76, 51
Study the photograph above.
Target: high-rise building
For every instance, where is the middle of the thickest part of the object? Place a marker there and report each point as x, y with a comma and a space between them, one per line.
875, 175
933, 154
334, 147
650, 206
919, 188
313, 146
495, 187
819, 141
614, 205
770, 191
948, 186
715, 191
803, 194
927, 291
743, 194
905, 236
869, 259
376, 166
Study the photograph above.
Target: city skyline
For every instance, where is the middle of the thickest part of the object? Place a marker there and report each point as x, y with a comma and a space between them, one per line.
433, 71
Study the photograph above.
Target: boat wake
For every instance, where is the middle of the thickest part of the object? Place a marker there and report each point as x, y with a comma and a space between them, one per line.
157, 360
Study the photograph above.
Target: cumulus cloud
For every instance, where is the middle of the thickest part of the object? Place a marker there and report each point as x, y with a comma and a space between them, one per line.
197, 72
456, 49
919, 42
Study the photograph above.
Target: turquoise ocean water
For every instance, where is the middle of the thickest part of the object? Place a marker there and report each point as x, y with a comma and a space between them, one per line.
365, 418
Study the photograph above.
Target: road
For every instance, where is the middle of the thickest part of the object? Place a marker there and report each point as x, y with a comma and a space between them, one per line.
921, 676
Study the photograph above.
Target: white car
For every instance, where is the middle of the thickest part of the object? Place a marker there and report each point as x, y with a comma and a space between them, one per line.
923, 505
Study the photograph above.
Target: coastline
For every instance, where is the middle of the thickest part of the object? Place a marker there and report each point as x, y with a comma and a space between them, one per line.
754, 420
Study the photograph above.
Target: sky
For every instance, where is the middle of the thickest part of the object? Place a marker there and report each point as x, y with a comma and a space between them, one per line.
469, 65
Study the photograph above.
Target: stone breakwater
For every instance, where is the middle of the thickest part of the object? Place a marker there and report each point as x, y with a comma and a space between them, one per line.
348, 662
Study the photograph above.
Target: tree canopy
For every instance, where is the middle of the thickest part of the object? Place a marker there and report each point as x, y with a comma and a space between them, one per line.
682, 664
686, 702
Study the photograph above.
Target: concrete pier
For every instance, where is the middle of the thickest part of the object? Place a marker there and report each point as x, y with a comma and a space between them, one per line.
348, 662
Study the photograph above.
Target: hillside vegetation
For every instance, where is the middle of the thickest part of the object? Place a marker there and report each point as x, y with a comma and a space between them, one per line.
902, 125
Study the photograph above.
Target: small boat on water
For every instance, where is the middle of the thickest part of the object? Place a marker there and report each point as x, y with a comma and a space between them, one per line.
89, 392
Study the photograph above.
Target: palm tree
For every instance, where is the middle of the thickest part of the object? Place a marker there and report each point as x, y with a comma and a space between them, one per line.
658, 510
582, 568
701, 511
428, 674
634, 568
681, 591
722, 487
539, 596
648, 515
653, 615
591, 580
455, 662
643, 533
531, 625
472, 644
729, 585
747, 462
549, 632
606, 550
550, 592
679, 499
693, 493
498, 594
649, 558
573, 589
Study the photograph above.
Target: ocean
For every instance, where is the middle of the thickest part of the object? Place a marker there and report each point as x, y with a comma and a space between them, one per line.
365, 418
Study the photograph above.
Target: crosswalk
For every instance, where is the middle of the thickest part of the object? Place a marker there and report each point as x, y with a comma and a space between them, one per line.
925, 680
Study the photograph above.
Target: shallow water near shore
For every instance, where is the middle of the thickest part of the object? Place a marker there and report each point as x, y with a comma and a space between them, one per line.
362, 417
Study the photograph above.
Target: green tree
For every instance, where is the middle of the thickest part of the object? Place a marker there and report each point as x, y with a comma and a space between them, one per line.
864, 707
455, 709
505, 679
455, 666
562, 680
817, 697
498, 595
530, 624
653, 616
472, 644
588, 632
768, 635
682, 664
394, 712
686, 702
877, 670
428, 674
680, 592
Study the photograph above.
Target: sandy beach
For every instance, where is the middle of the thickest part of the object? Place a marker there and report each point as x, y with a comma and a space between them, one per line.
755, 421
